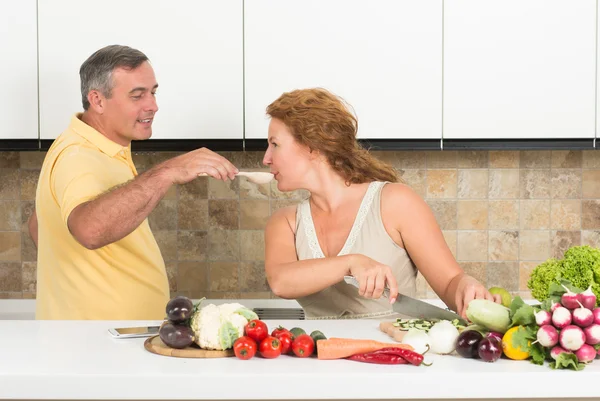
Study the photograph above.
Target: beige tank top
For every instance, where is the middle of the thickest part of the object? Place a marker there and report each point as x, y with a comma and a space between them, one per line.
368, 237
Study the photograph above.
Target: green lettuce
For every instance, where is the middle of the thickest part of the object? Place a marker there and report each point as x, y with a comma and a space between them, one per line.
580, 267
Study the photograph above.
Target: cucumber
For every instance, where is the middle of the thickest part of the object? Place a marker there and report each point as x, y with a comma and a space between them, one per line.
317, 335
296, 331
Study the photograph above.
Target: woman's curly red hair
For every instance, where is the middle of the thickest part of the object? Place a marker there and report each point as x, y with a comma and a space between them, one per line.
321, 121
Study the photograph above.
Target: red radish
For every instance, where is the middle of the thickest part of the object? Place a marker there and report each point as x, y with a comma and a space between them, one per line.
592, 334
586, 353
588, 298
554, 306
571, 338
569, 299
542, 317
561, 317
582, 317
596, 313
547, 335
556, 351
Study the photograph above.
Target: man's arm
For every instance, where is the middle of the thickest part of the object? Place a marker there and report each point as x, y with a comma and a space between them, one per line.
114, 215
32, 223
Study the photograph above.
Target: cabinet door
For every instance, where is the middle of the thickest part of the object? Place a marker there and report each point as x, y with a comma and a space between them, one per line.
519, 69
195, 47
384, 57
18, 70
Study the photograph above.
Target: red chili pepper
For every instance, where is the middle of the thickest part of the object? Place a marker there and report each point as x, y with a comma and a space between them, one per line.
411, 356
381, 359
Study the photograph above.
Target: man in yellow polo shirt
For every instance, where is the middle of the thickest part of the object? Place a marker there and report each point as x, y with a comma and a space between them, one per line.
97, 257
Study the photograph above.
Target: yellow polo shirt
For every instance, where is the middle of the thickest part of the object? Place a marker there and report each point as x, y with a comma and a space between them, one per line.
124, 280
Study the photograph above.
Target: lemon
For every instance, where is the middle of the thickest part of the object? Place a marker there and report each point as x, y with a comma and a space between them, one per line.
507, 346
505, 295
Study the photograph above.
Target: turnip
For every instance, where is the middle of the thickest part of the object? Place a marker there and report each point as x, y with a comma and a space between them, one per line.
588, 298
561, 317
569, 299
571, 338
557, 350
582, 317
542, 317
592, 334
547, 335
586, 353
596, 313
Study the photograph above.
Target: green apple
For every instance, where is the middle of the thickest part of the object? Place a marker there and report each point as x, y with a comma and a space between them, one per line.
505, 295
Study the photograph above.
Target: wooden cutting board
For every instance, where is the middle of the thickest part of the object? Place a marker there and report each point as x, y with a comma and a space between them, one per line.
394, 332
156, 346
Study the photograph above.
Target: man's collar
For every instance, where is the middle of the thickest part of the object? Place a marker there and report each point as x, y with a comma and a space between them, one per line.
100, 141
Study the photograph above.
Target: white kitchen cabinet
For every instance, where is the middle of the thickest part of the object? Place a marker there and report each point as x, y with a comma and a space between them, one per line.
18, 70
519, 69
384, 57
195, 47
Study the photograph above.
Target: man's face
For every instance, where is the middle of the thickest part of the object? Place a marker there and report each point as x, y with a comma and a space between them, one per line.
128, 114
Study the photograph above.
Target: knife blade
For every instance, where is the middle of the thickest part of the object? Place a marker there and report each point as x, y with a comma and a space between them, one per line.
413, 307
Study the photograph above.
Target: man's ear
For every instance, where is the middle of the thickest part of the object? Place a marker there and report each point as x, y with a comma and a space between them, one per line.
97, 101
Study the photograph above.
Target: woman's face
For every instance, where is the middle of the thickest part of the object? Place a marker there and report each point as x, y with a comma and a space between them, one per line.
288, 160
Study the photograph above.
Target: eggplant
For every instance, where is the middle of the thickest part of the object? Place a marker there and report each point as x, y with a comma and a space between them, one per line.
179, 309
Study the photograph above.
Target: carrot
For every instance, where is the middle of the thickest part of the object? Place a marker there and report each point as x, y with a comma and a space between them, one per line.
338, 348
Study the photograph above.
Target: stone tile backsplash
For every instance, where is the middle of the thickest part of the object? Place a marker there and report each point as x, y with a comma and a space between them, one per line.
501, 212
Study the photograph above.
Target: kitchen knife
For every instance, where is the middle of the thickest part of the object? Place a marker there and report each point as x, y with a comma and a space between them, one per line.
413, 307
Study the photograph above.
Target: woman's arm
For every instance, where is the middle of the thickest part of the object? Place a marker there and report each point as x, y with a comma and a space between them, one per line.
408, 213
290, 278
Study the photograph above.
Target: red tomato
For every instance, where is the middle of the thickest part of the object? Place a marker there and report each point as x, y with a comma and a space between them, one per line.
286, 341
279, 330
256, 330
270, 347
303, 346
244, 347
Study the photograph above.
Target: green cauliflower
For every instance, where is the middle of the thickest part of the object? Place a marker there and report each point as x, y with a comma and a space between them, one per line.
580, 266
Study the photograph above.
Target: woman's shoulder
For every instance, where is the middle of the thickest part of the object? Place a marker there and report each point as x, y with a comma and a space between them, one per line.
397, 193
284, 216
397, 190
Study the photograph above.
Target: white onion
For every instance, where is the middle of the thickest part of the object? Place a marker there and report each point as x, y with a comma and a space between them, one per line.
418, 339
442, 337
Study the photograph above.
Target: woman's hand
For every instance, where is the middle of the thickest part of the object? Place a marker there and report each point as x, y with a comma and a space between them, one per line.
469, 289
372, 277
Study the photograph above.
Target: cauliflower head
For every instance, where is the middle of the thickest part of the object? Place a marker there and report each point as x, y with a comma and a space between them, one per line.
217, 327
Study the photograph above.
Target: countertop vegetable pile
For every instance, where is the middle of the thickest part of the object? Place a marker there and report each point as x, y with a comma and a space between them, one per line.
281, 341
210, 327
564, 329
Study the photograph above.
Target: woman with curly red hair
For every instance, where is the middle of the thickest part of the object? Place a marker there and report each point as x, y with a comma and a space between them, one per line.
359, 220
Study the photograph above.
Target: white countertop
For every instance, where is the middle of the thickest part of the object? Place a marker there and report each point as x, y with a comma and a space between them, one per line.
80, 360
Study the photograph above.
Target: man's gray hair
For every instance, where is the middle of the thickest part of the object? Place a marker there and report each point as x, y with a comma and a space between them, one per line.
96, 71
